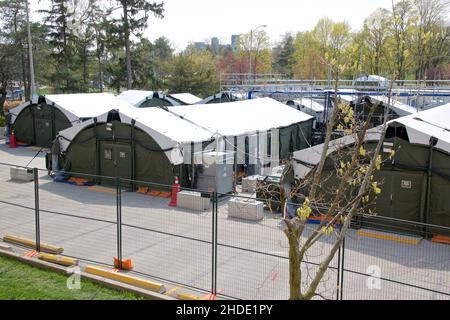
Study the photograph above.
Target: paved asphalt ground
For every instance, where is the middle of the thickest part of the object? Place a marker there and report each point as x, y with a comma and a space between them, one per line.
175, 244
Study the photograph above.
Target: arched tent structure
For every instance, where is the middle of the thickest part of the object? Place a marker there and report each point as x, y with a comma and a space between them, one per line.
138, 144
420, 173
371, 81
248, 118
147, 99
400, 109
396, 108
186, 98
154, 144
310, 107
38, 122
416, 182
224, 96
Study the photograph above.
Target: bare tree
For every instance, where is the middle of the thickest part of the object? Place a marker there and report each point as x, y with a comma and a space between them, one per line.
355, 172
429, 17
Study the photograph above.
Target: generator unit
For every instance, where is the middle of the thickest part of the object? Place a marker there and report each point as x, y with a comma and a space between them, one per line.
213, 171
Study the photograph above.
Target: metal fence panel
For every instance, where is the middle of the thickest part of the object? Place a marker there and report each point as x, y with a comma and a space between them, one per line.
166, 242
382, 265
213, 248
78, 217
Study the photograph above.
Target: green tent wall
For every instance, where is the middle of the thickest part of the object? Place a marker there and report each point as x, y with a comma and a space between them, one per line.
38, 124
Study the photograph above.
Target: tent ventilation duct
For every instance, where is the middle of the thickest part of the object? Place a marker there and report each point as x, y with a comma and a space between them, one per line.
113, 115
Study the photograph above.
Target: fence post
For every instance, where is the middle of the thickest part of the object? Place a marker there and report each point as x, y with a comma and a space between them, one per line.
341, 285
119, 221
36, 210
338, 280
213, 243
216, 244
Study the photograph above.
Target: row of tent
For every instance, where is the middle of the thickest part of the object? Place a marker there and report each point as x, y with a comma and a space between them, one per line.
38, 122
415, 183
109, 136
146, 99
101, 134
316, 107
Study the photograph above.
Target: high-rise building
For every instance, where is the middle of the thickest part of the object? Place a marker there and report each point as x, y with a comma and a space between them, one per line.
215, 45
234, 42
200, 45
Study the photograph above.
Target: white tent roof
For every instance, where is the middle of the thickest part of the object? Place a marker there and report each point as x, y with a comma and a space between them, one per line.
169, 124
235, 95
348, 98
426, 124
137, 97
242, 117
310, 104
168, 130
79, 105
187, 98
372, 78
307, 159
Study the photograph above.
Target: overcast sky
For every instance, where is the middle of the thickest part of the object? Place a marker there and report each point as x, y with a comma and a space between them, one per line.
197, 20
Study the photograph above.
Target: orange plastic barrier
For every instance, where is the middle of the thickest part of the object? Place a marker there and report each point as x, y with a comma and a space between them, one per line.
127, 264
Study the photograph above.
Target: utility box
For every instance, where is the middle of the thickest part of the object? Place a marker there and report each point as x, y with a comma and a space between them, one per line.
214, 171
247, 209
192, 200
21, 174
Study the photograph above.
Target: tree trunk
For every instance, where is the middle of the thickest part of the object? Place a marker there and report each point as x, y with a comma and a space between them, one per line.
330, 125
294, 264
127, 44
3, 97
26, 83
99, 61
85, 58
65, 47
22, 60
100, 72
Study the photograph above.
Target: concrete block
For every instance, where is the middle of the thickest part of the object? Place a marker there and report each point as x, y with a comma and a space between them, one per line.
21, 174
192, 200
5, 247
247, 209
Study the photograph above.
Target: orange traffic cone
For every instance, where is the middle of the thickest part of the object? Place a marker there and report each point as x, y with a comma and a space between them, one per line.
175, 190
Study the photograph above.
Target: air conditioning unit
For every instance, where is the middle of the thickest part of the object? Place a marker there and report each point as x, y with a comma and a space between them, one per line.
21, 174
192, 200
247, 209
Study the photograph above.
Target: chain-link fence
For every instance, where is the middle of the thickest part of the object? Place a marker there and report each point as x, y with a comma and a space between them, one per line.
230, 245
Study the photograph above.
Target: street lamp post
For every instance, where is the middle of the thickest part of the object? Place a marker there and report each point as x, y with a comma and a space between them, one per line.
251, 47
30, 55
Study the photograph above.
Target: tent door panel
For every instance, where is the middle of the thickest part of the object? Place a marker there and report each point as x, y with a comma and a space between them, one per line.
407, 195
43, 129
123, 161
115, 161
107, 166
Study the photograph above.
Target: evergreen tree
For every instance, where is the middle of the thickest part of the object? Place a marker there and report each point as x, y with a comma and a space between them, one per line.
284, 59
62, 39
135, 14
13, 32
